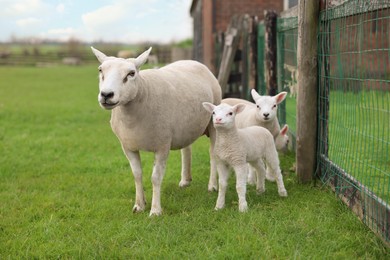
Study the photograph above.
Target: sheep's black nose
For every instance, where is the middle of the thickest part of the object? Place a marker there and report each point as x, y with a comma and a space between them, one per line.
107, 95
266, 114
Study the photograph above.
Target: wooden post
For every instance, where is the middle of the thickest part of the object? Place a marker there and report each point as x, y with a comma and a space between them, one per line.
270, 51
306, 155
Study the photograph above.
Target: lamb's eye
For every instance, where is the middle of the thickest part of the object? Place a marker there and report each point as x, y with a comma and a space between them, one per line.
213, 113
274, 106
100, 70
131, 73
231, 113
258, 106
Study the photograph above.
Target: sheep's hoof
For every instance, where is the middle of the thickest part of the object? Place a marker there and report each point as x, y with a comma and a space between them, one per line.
243, 207
212, 188
260, 191
283, 193
137, 209
218, 208
155, 212
184, 183
270, 177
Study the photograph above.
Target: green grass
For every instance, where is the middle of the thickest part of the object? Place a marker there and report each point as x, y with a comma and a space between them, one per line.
66, 190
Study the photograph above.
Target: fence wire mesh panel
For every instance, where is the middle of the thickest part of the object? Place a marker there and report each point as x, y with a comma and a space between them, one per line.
261, 87
287, 36
354, 107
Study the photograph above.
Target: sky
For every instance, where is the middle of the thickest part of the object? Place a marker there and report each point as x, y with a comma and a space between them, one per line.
128, 21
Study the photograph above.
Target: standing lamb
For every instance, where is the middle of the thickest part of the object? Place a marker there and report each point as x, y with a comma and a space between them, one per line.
236, 147
261, 113
157, 110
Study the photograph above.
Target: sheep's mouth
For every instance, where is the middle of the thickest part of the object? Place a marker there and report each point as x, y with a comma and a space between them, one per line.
107, 105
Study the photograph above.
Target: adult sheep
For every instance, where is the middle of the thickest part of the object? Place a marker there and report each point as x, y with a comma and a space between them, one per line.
156, 110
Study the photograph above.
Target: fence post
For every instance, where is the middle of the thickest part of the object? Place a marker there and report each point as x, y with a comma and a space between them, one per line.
270, 51
306, 155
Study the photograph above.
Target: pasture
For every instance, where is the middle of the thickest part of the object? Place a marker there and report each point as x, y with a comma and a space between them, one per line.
66, 190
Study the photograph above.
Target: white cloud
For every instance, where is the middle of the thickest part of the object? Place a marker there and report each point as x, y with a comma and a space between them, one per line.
31, 21
24, 7
60, 8
105, 15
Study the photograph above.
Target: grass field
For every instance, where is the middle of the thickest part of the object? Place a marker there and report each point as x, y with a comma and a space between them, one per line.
66, 190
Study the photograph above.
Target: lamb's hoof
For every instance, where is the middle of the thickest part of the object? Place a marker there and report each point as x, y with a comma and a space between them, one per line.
155, 212
184, 183
270, 178
260, 191
212, 188
138, 208
218, 208
283, 193
243, 207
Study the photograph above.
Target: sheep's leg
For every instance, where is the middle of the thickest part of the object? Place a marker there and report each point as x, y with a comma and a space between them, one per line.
185, 167
260, 176
269, 175
251, 176
135, 164
276, 172
241, 178
213, 166
223, 174
160, 159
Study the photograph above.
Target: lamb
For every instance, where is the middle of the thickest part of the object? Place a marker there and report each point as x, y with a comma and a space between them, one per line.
236, 147
157, 110
262, 113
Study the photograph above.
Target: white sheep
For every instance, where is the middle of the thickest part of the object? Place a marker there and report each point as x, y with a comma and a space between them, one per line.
157, 110
262, 113
236, 147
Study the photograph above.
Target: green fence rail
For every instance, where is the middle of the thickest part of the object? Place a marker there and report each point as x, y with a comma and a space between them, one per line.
354, 108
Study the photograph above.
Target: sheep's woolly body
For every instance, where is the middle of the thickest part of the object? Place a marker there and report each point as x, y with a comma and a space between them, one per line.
236, 147
157, 110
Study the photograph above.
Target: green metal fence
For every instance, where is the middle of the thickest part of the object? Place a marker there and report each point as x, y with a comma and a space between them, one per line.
287, 72
354, 108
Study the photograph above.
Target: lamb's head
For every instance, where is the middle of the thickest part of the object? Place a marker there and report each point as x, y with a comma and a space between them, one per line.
267, 105
118, 78
223, 115
281, 140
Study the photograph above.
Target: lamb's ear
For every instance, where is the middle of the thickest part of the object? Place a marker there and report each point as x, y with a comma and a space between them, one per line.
239, 108
141, 59
99, 55
208, 106
280, 97
284, 130
255, 95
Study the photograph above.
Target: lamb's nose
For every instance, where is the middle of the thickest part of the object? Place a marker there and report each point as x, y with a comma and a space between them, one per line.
266, 114
107, 95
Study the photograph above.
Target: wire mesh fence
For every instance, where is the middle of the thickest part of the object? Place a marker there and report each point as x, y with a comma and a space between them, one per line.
354, 107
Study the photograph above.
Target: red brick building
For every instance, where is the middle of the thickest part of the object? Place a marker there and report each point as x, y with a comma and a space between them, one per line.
213, 16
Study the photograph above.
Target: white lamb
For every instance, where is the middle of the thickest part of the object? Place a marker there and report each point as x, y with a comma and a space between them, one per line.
157, 110
236, 147
261, 113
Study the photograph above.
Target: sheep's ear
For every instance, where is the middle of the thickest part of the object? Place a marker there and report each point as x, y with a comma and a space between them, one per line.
208, 106
141, 59
99, 55
255, 95
280, 97
284, 130
239, 108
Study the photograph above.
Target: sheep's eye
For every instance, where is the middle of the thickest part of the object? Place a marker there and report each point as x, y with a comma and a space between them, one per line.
231, 113
274, 106
100, 70
131, 73
258, 106
213, 113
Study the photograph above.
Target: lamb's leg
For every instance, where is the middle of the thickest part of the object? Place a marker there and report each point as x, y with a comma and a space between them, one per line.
241, 178
260, 176
223, 176
135, 164
273, 166
185, 167
213, 166
251, 175
160, 159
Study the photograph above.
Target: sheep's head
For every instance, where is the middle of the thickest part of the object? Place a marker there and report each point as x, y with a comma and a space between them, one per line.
281, 140
223, 114
267, 106
117, 78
